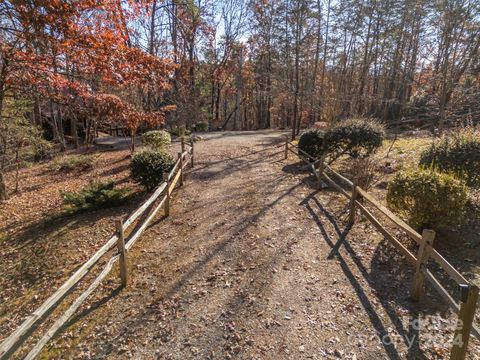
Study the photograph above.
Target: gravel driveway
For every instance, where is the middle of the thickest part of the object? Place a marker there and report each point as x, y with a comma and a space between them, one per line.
254, 263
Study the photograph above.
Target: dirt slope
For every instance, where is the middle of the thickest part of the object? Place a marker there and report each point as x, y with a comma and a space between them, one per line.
253, 264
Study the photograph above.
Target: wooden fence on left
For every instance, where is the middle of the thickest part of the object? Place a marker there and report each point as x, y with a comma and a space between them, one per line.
158, 200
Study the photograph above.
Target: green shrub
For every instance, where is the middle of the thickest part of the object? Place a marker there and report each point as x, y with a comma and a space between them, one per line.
72, 162
38, 151
311, 142
94, 195
357, 138
156, 140
43, 150
180, 131
148, 167
201, 126
428, 198
458, 154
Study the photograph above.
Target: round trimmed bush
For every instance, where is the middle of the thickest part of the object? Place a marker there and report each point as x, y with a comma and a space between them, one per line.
148, 166
458, 154
428, 198
156, 140
201, 126
311, 142
357, 138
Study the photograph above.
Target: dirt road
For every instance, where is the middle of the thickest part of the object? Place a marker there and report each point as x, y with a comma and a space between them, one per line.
254, 263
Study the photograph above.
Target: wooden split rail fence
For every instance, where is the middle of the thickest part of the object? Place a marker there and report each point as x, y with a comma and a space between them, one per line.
358, 200
122, 244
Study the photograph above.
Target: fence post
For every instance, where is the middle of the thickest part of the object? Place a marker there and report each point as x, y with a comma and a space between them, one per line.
191, 144
469, 295
121, 250
167, 200
321, 166
182, 141
351, 215
416, 287
180, 156
286, 146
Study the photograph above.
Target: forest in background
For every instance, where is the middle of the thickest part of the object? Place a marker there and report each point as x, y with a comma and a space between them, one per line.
260, 64
70, 68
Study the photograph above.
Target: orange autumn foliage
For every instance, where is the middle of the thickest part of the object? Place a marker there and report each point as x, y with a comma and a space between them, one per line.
78, 54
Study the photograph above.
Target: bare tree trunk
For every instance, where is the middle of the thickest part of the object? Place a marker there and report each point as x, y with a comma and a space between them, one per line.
217, 106
17, 167
212, 98
174, 37
238, 99
61, 131
298, 31
365, 67
312, 115
74, 131
3, 187
325, 46
192, 88
132, 140
87, 133
152, 28
36, 111
55, 126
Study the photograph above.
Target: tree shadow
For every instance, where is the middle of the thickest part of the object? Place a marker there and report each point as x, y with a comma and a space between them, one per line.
206, 164
373, 279
221, 169
241, 226
194, 268
461, 247
116, 170
97, 304
295, 168
49, 244
33, 188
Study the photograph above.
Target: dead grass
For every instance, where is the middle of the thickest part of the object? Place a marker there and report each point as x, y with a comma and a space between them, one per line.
403, 152
72, 162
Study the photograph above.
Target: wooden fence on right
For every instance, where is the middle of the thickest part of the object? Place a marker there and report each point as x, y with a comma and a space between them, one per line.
360, 199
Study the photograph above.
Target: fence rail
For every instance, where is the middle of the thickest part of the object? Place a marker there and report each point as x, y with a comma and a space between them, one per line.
15, 340
359, 199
